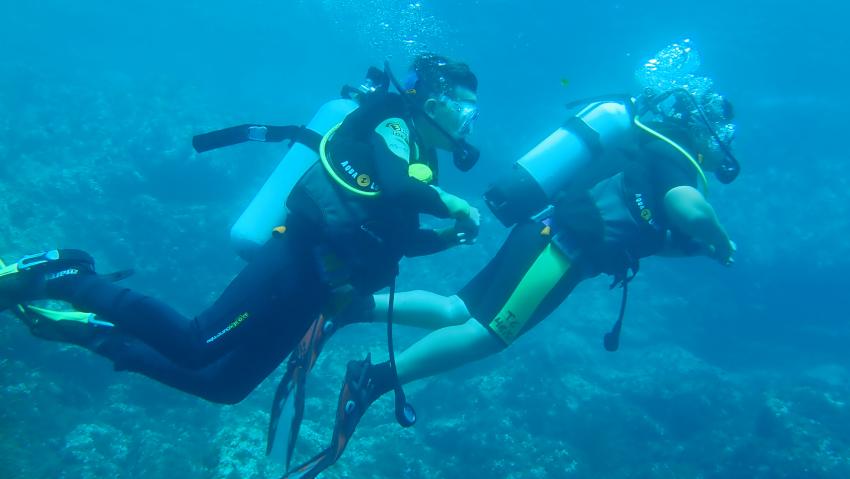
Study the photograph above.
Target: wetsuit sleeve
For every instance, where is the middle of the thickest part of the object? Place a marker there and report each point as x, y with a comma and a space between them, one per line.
425, 242
391, 149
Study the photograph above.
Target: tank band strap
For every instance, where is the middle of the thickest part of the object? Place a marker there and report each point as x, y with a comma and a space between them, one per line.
254, 132
587, 134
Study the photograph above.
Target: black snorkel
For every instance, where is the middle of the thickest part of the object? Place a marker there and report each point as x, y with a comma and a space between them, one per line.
464, 155
729, 167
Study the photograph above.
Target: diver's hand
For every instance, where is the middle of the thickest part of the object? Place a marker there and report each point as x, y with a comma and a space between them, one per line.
467, 226
724, 255
464, 230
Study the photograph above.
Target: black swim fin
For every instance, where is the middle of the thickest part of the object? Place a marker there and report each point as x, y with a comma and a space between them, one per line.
357, 394
288, 404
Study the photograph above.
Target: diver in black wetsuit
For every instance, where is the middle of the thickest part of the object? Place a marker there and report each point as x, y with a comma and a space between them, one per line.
352, 217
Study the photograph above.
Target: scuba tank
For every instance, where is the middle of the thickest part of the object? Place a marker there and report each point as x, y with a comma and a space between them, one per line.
266, 211
583, 151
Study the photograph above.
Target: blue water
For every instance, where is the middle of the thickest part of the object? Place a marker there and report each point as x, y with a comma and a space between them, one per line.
723, 373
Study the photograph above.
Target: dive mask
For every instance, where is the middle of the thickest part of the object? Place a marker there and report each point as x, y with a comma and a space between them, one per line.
466, 113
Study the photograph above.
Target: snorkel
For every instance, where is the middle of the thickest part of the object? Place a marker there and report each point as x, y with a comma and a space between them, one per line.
464, 155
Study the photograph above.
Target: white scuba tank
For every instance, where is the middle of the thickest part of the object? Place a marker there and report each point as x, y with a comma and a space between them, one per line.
579, 154
268, 208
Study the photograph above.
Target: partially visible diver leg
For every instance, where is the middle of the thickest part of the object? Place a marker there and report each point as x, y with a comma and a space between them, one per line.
422, 309
520, 302
228, 380
444, 350
283, 283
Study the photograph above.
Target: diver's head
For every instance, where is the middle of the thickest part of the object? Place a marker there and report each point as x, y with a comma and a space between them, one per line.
445, 91
674, 94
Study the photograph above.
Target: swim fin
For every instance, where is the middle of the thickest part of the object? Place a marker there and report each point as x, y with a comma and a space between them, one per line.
74, 327
357, 394
67, 326
288, 403
26, 279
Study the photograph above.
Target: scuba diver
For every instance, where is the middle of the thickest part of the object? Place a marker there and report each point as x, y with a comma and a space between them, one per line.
351, 214
619, 181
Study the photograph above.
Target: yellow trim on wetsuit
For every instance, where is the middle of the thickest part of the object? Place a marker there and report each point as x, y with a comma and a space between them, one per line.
547, 270
677, 147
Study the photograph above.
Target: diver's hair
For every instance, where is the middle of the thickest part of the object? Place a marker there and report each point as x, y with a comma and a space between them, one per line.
437, 75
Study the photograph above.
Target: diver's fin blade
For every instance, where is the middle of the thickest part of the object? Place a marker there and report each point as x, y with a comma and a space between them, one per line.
313, 467
288, 404
53, 315
295, 422
281, 443
281, 398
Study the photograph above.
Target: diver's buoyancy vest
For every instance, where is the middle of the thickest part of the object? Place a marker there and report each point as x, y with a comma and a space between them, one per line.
266, 210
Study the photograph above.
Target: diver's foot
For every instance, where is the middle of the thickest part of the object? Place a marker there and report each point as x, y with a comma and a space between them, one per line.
37, 276
364, 383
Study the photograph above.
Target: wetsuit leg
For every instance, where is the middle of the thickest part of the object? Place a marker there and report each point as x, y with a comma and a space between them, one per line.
228, 380
526, 280
276, 295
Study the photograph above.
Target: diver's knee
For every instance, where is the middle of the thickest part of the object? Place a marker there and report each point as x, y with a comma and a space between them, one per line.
456, 309
229, 397
485, 342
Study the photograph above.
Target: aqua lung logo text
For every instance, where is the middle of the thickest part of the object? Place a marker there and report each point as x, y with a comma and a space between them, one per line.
230, 327
645, 212
358, 177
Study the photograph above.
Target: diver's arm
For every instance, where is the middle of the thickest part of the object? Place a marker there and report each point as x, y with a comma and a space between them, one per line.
677, 245
690, 213
430, 241
390, 157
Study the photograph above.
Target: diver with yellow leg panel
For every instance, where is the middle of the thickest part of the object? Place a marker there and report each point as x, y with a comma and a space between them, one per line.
354, 184
620, 181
